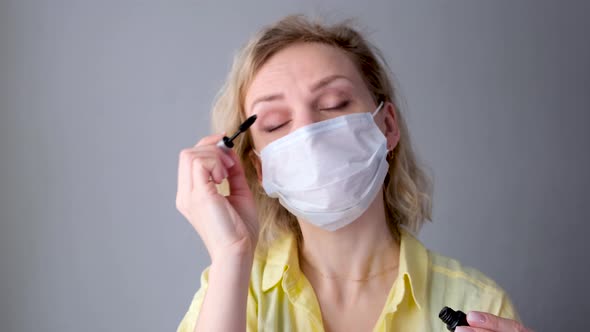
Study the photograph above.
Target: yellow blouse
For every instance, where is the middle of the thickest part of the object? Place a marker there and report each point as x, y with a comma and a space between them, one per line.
281, 298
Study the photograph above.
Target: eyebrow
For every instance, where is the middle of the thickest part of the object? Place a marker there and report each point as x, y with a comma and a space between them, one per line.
316, 86
327, 80
277, 96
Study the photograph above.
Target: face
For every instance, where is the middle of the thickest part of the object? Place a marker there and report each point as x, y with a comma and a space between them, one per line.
306, 83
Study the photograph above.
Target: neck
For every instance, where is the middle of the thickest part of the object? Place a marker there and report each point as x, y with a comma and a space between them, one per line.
362, 249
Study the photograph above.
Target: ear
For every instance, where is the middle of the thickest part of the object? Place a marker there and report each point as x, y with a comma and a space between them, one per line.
257, 165
390, 128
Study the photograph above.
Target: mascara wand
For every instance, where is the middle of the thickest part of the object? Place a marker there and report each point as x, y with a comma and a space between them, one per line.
228, 142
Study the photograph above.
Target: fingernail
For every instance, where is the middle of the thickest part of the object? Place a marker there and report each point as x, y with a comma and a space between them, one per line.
476, 317
225, 175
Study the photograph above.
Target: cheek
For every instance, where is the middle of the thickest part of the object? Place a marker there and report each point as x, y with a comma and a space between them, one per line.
259, 142
256, 144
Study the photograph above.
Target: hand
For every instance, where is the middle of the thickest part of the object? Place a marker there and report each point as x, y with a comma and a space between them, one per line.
484, 322
228, 225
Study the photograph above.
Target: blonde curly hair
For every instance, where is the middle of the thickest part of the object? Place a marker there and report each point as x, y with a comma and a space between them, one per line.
407, 189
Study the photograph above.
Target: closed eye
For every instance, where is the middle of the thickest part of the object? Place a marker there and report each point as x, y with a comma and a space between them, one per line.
270, 130
337, 107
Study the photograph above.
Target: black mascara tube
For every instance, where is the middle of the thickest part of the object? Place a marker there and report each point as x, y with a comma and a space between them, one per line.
453, 318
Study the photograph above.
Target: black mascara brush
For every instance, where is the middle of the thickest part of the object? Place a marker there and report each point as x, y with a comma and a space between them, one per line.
228, 142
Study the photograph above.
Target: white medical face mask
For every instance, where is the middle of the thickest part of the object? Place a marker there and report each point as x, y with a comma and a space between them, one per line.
329, 172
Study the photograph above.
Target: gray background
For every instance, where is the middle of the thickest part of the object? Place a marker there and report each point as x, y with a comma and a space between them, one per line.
98, 98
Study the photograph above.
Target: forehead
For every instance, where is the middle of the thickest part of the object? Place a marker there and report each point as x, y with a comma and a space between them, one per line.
298, 66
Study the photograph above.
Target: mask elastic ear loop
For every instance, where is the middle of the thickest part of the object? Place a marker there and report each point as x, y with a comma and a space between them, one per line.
378, 108
256, 152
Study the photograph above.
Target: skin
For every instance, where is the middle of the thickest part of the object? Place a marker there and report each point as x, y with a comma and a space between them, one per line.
285, 95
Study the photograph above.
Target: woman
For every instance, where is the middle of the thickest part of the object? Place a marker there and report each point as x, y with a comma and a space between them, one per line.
324, 193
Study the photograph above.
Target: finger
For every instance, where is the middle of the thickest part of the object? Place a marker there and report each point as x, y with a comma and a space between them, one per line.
493, 322
236, 177
211, 139
472, 329
207, 170
213, 152
184, 171
223, 155
185, 160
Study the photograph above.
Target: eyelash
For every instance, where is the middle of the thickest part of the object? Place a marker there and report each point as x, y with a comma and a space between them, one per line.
337, 107
275, 128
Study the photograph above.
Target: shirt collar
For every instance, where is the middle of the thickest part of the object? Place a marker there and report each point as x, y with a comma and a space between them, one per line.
282, 262
281, 256
413, 266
